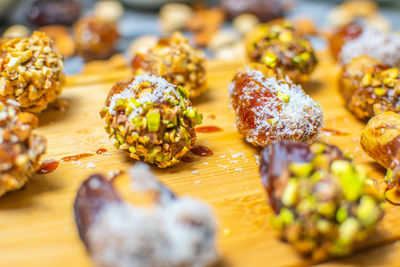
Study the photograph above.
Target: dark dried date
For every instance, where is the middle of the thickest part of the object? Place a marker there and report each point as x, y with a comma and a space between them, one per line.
49, 12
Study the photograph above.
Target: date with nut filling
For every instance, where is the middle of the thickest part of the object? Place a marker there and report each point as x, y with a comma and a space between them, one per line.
269, 108
152, 119
323, 205
381, 141
20, 149
174, 59
31, 71
369, 87
277, 45
167, 230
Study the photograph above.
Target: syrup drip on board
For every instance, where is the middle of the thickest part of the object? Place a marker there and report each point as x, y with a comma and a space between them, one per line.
202, 151
207, 129
48, 167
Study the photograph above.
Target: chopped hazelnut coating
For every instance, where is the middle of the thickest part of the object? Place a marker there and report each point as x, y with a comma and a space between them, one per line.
174, 59
277, 45
369, 87
20, 150
95, 37
269, 108
323, 204
152, 119
31, 71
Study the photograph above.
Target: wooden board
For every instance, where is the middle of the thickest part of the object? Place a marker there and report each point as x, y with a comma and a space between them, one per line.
36, 223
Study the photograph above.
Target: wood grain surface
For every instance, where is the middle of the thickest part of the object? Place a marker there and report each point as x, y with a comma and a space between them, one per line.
36, 223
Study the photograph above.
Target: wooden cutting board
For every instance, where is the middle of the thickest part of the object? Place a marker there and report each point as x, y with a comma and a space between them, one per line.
36, 223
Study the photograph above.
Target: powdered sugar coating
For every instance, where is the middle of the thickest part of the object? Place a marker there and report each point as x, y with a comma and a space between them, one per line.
264, 117
374, 43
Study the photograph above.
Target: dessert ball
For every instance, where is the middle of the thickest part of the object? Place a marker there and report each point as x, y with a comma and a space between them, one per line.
323, 204
152, 119
269, 108
20, 149
95, 37
50, 12
31, 72
369, 87
277, 45
343, 35
265, 10
174, 59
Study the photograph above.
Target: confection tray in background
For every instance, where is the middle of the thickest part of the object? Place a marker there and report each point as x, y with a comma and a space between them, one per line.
37, 224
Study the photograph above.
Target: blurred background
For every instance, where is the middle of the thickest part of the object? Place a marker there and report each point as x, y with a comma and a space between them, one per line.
217, 26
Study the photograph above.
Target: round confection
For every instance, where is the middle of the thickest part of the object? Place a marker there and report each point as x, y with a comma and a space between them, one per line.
31, 71
341, 36
174, 59
277, 45
269, 108
95, 37
20, 149
50, 12
152, 119
265, 10
374, 43
369, 87
323, 204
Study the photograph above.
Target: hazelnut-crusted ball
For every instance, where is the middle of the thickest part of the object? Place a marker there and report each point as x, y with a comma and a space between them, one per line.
31, 71
95, 37
20, 149
323, 204
152, 119
269, 108
277, 45
174, 59
369, 87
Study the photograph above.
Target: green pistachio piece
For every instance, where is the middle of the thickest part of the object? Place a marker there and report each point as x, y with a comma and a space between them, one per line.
391, 73
286, 36
120, 139
286, 216
327, 209
301, 169
348, 230
132, 149
324, 226
317, 148
115, 143
341, 214
290, 194
368, 212
270, 59
121, 102
366, 80
153, 120
305, 56
198, 118
379, 91
283, 96
185, 94
272, 121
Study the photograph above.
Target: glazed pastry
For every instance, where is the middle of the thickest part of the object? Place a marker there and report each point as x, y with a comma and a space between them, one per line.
381, 141
151, 119
174, 59
269, 108
20, 149
95, 37
369, 87
278, 45
323, 205
173, 232
355, 40
31, 72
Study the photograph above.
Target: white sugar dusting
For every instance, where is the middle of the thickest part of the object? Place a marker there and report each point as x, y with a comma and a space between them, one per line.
300, 115
90, 165
180, 232
162, 88
374, 43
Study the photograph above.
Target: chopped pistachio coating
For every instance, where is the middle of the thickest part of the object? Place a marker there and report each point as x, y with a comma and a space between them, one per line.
174, 59
152, 119
31, 71
369, 87
278, 45
323, 203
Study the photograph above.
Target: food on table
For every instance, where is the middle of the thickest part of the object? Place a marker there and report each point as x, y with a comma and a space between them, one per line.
16, 31
142, 45
49, 12
31, 72
111, 10
323, 204
63, 41
269, 108
152, 119
245, 23
95, 37
369, 87
20, 149
278, 45
170, 231
174, 17
381, 141
354, 41
342, 35
174, 59
205, 23
265, 10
